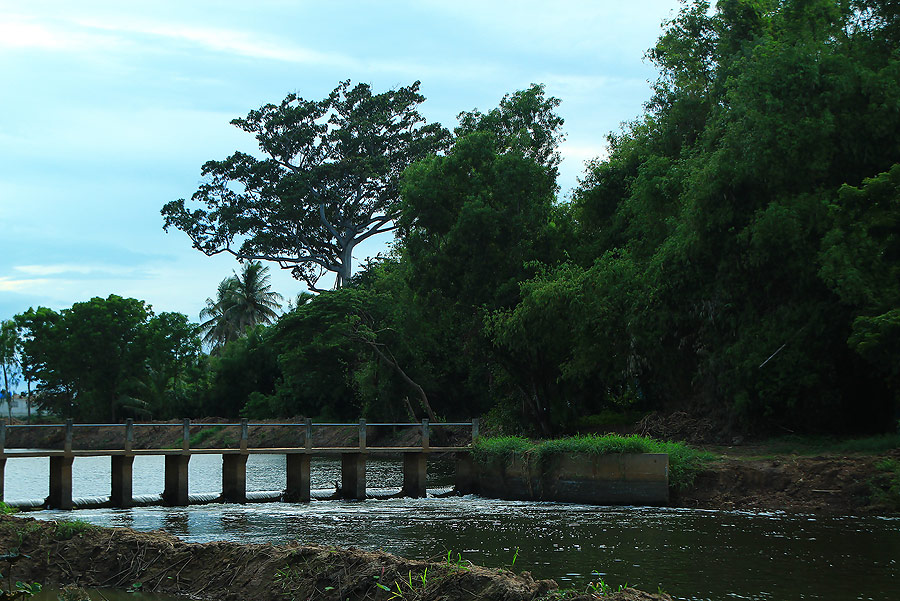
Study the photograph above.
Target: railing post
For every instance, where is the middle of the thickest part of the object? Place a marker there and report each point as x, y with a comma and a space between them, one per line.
426, 435
362, 435
186, 435
2, 436
129, 435
67, 445
308, 441
474, 429
245, 435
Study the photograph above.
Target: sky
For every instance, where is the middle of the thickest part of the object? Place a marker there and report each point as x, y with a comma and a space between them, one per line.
109, 109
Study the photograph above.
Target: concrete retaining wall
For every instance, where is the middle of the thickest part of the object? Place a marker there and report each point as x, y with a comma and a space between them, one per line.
615, 479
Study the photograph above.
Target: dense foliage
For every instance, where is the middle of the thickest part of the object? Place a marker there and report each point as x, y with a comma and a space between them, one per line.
736, 255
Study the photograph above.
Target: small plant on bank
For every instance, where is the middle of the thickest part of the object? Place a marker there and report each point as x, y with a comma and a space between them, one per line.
69, 529
885, 485
20, 590
7, 509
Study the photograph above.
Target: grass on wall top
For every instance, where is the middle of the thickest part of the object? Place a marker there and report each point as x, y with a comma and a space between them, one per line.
684, 461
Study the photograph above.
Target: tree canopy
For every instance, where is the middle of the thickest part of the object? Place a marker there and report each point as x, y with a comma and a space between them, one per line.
330, 180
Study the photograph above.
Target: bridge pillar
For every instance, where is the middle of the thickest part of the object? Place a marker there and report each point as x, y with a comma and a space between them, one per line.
176, 480
465, 474
60, 483
353, 476
297, 477
2, 474
415, 468
234, 478
121, 472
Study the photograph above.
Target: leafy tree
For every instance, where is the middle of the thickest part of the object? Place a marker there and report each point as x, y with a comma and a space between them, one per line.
103, 357
244, 300
330, 180
9, 359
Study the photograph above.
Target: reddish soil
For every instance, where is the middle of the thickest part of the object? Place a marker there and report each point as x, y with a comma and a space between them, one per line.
60, 554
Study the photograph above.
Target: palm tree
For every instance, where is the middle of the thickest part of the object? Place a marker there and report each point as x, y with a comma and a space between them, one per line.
243, 300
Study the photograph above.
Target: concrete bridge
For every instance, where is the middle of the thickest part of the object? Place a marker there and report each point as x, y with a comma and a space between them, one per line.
234, 461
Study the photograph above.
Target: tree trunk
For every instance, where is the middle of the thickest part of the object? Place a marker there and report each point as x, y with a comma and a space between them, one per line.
423, 398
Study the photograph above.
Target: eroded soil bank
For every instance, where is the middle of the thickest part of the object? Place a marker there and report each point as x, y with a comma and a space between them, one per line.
822, 484
65, 553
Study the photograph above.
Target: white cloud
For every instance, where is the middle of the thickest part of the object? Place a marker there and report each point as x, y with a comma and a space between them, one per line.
8, 284
60, 269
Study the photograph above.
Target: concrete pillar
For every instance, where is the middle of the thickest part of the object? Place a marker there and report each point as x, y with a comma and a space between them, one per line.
60, 483
353, 476
2, 456
176, 491
466, 479
234, 478
121, 473
297, 465
2, 474
415, 466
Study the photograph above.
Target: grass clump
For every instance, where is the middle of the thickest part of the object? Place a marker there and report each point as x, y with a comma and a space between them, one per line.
69, 529
684, 461
7, 509
885, 486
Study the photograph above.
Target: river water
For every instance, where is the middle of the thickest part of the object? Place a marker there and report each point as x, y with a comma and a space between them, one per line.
691, 554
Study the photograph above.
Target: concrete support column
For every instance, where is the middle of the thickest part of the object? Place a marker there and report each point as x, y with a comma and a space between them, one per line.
415, 466
60, 483
297, 477
121, 472
2, 473
234, 478
466, 480
176, 491
353, 476
2, 456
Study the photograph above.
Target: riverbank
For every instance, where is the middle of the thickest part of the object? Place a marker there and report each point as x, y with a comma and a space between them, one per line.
62, 553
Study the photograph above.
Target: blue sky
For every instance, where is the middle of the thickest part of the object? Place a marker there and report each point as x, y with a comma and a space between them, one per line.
108, 110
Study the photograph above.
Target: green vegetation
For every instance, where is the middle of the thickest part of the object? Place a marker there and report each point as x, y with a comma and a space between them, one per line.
7, 509
820, 445
684, 461
885, 486
69, 529
733, 256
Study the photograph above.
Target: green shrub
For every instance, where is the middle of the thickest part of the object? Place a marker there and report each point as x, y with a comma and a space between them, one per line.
684, 461
68, 529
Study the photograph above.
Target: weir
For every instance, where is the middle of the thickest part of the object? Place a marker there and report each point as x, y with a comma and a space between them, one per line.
234, 462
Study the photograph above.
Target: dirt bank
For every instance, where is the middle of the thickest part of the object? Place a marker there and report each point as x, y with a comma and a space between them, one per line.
62, 553
822, 484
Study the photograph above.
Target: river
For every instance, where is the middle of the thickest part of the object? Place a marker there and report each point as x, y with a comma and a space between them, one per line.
691, 554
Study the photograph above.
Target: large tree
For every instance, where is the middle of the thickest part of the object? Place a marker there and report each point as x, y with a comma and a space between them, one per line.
330, 180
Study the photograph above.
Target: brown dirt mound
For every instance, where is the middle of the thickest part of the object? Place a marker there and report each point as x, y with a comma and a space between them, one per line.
824, 484
63, 553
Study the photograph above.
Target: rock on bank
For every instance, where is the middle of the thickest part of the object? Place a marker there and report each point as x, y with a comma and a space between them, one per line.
74, 553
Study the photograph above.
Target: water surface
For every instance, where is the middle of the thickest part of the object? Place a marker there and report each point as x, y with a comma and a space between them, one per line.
692, 554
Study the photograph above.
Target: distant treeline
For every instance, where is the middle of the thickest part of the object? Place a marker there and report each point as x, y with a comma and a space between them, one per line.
737, 254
